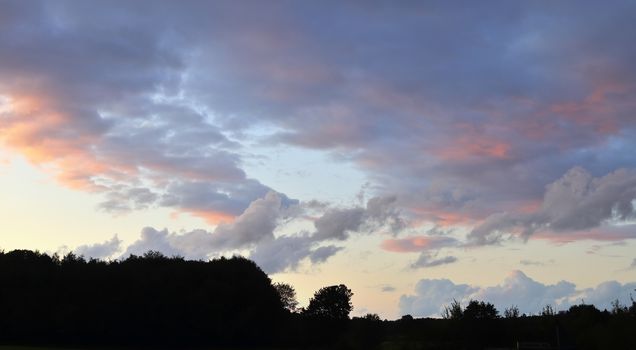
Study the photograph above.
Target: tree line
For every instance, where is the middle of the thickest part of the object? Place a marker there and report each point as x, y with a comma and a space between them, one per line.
155, 300
158, 301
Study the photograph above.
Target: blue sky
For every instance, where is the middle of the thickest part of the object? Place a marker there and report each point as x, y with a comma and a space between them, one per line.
416, 152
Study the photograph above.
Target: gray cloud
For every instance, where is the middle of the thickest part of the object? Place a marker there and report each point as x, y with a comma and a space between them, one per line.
109, 110
379, 213
321, 254
460, 125
100, 250
388, 289
577, 201
337, 223
255, 224
254, 231
517, 289
427, 259
527, 262
287, 252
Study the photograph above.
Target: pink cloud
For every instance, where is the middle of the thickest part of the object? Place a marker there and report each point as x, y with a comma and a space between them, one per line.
417, 243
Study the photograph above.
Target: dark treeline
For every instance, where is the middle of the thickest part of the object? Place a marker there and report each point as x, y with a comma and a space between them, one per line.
156, 301
479, 325
150, 300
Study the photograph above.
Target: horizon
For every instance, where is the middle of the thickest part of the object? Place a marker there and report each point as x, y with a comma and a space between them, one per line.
416, 152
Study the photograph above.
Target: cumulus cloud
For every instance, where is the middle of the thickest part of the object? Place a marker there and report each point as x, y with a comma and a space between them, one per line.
287, 252
431, 295
100, 250
529, 295
255, 232
380, 212
258, 222
577, 201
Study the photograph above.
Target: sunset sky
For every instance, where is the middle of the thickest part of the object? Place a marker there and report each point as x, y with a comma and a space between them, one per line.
415, 151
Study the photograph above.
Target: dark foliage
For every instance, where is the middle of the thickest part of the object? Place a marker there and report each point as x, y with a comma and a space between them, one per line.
141, 300
479, 310
331, 303
287, 295
153, 301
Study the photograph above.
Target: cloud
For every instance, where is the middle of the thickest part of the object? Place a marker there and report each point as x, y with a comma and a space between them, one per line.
418, 243
164, 242
287, 252
337, 223
430, 260
529, 295
321, 254
257, 223
388, 289
431, 295
255, 232
379, 213
104, 111
527, 262
164, 113
575, 202
100, 250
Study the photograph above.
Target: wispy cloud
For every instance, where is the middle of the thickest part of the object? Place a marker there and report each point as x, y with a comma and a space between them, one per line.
464, 126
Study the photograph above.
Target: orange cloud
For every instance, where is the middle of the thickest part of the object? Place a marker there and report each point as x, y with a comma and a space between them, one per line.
44, 136
49, 138
443, 218
595, 110
472, 143
211, 217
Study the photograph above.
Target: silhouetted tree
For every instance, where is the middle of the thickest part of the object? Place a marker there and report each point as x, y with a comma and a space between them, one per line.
145, 300
618, 308
548, 311
406, 318
632, 309
333, 302
152, 301
511, 312
453, 311
287, 295
479, 310
371, 317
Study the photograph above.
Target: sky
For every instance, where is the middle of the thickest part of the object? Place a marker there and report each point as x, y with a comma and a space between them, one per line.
418, 152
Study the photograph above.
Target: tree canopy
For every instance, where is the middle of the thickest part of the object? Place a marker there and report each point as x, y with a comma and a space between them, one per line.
333, 302
287, 295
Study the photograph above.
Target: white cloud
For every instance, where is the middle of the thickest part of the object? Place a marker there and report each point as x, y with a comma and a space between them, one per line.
100, 250
431, 295
530, 296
